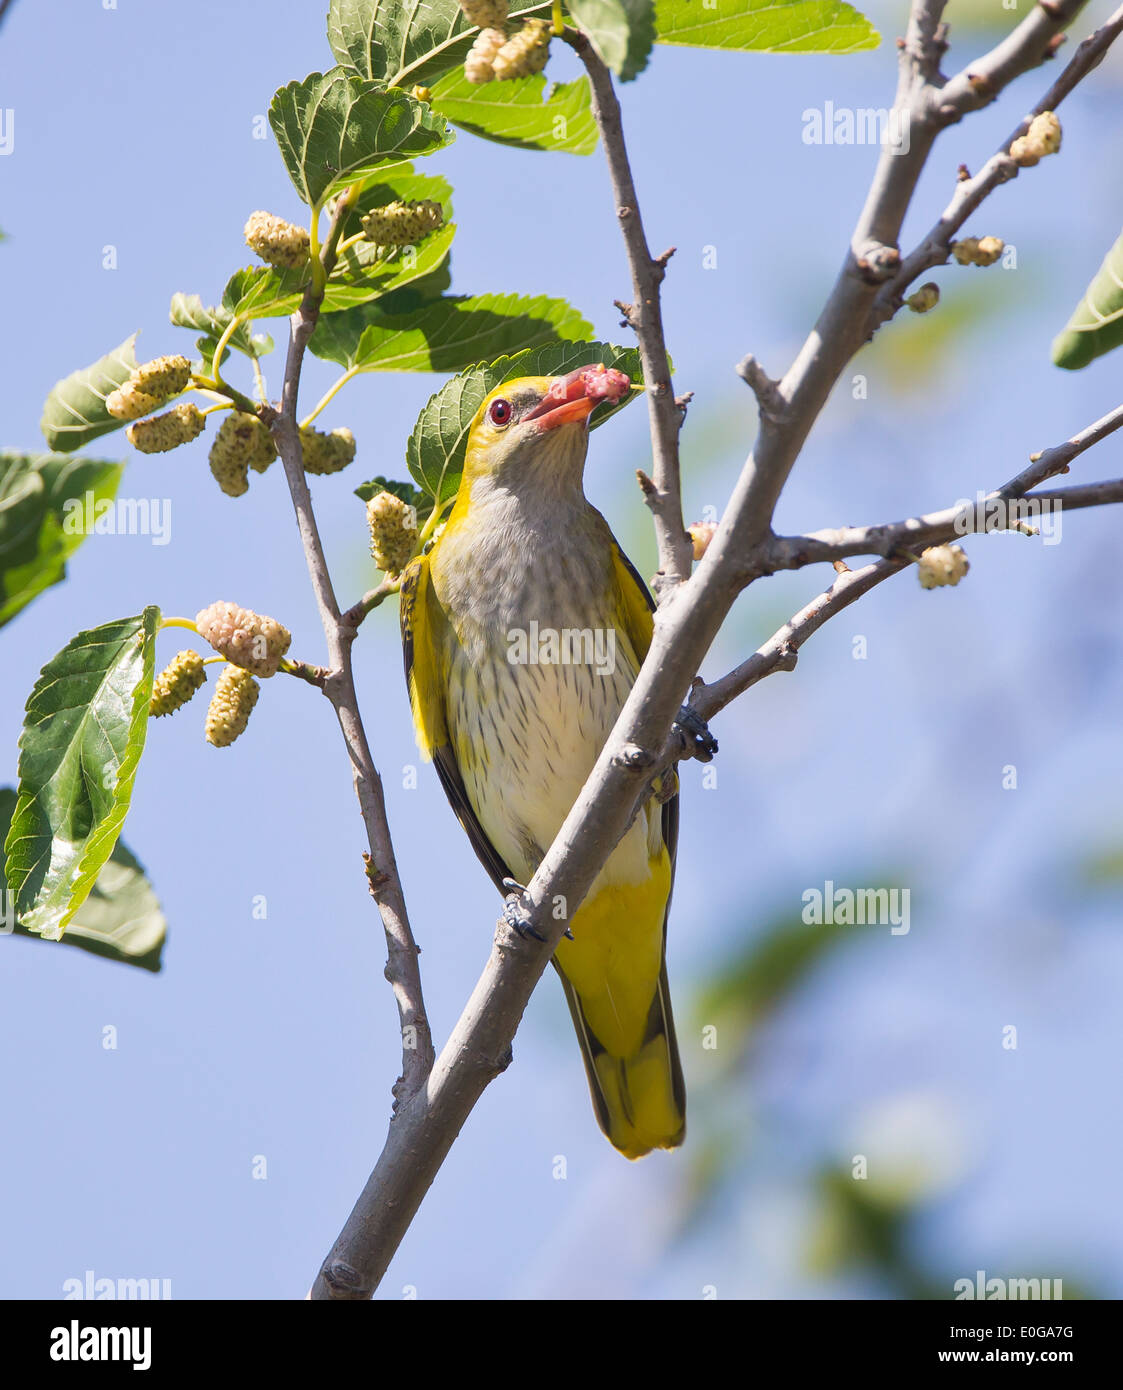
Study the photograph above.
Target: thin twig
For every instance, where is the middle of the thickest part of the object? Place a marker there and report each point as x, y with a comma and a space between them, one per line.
402, 968
935, 528
970, 193
645, 316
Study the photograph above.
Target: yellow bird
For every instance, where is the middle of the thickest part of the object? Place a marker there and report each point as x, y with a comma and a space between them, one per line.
523, 628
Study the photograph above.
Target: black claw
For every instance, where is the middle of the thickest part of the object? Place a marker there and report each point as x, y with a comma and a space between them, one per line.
514, 915
696, 733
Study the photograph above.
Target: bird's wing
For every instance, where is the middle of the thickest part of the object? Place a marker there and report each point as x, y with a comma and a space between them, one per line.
425, 632
638, 608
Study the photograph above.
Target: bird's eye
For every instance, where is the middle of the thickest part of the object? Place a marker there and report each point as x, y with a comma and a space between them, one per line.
500, 412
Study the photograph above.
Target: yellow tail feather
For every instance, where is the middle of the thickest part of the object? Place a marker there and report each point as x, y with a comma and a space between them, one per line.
639, 1100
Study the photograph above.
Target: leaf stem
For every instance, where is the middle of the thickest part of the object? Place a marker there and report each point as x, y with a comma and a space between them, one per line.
330, 394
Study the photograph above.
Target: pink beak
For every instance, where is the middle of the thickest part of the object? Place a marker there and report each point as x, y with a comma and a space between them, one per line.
576, 395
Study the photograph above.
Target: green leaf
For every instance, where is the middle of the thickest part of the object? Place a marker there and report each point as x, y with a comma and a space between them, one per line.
406, 333
75, 411
421, 502
266, 292
435, 452
1096, 325
188, 311
622, 31
334, 129
513, 113
402, 44
40, 497
82, 738
121, 919
770, 26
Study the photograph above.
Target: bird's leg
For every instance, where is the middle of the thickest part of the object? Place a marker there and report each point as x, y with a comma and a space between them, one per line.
695, 734
514, 915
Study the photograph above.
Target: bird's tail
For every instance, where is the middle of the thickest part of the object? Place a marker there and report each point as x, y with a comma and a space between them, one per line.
640, 1099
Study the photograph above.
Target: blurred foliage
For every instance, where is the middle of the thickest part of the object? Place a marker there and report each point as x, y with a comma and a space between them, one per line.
915, 349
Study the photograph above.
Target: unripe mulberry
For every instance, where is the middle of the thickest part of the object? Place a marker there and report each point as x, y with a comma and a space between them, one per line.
247, 639
488, 14
401, 223
231, 705
178, 426
701, 533
925, 298
127, 403
149, 386
526, 53
940, 565
242, 443
393, 532
176, 684
276, 241
1043, 137
326, 453
974, 250
481, 56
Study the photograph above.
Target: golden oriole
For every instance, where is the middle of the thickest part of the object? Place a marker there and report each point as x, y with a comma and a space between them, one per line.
523, 629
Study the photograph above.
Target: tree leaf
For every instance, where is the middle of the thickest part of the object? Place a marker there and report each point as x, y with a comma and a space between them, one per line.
402, 44
120, 920
268, 293
1096, 325
622, 32
84, 731
406, 333
435, 451
188, 311
38, 495
421, 502
771, 26
514, 113
75, 411
333, 129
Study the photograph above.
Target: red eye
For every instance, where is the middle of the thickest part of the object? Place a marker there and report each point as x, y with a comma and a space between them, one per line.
500, 412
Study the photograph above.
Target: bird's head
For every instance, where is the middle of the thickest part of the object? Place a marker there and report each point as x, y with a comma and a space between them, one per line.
535, 430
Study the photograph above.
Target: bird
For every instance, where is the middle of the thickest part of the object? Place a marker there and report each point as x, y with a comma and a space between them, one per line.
523, 629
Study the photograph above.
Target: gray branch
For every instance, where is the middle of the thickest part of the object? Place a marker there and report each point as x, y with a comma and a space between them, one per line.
936, 528
645, 316
971, 192
402, 969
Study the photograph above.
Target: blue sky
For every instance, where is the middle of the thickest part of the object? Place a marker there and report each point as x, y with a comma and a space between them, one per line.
134, 128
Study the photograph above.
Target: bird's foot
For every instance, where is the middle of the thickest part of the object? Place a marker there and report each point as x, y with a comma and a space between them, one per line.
695, 734
516, 916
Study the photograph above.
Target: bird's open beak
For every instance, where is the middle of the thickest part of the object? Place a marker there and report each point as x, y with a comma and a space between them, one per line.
576, 396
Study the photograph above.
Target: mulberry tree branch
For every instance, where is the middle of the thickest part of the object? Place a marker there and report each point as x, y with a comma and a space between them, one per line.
645, 316
970, 193
935, 528
340, 630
